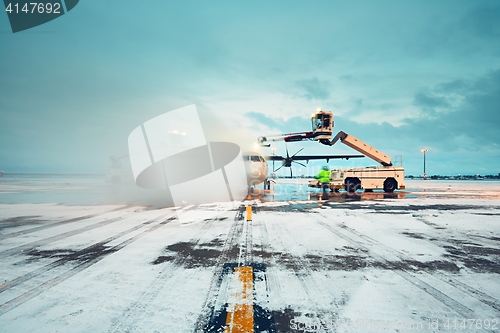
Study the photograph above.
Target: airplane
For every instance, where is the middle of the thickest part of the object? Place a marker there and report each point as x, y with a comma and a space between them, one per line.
257, 168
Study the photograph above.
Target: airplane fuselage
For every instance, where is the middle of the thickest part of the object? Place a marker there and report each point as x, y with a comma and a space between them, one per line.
256, 168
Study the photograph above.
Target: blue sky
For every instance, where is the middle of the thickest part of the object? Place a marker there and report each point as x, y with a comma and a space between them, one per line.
400, 75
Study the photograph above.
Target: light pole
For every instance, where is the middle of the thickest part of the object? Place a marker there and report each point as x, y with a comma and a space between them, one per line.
424, 151
273, 174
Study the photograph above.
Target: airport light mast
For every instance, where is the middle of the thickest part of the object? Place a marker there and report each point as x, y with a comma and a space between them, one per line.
424, 151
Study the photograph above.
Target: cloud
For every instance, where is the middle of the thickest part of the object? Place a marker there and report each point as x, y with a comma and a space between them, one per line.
466, 32
476, 114
455, 86
429, 100
368, 63
293, 124
314, 89
482, 21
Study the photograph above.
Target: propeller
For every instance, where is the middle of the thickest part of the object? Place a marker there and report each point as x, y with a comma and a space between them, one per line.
288, 160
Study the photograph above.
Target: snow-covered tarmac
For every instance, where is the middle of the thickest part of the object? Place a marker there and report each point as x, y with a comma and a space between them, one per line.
427, 260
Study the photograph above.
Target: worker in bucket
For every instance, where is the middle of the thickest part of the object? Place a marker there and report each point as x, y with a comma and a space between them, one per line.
324, 179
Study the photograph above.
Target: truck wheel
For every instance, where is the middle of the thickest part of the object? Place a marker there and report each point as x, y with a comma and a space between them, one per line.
352, 185
390, 185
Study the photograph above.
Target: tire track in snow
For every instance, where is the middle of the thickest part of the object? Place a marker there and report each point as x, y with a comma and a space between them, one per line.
208, 311
214, 315
477, 294
248, 243
56, 224
89, 250
423, 218
128, 323
454, 305
272, 284
48, 240
272, 278
312, 289
12, 304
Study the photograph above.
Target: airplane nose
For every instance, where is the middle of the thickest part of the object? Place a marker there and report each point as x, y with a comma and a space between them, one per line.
255, 172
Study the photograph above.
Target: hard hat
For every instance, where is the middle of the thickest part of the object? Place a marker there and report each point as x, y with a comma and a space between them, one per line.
326, 168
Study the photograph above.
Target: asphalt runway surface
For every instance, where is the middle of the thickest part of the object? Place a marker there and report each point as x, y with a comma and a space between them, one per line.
421, 261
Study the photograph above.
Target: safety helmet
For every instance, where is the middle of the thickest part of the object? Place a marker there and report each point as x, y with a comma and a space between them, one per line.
326, 168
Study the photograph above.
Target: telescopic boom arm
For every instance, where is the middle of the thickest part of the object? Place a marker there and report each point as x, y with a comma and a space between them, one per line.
322, 127
360, 146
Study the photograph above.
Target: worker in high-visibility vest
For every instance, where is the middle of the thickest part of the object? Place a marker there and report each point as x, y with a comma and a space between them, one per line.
324, 179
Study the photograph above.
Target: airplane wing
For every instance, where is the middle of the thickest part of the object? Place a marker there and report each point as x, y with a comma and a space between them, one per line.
274, 158
312, 157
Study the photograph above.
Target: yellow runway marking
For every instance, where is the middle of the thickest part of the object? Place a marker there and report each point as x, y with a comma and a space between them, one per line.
240, 319
249, 213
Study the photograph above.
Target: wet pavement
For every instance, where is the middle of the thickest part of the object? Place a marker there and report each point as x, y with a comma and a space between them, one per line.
312, 264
